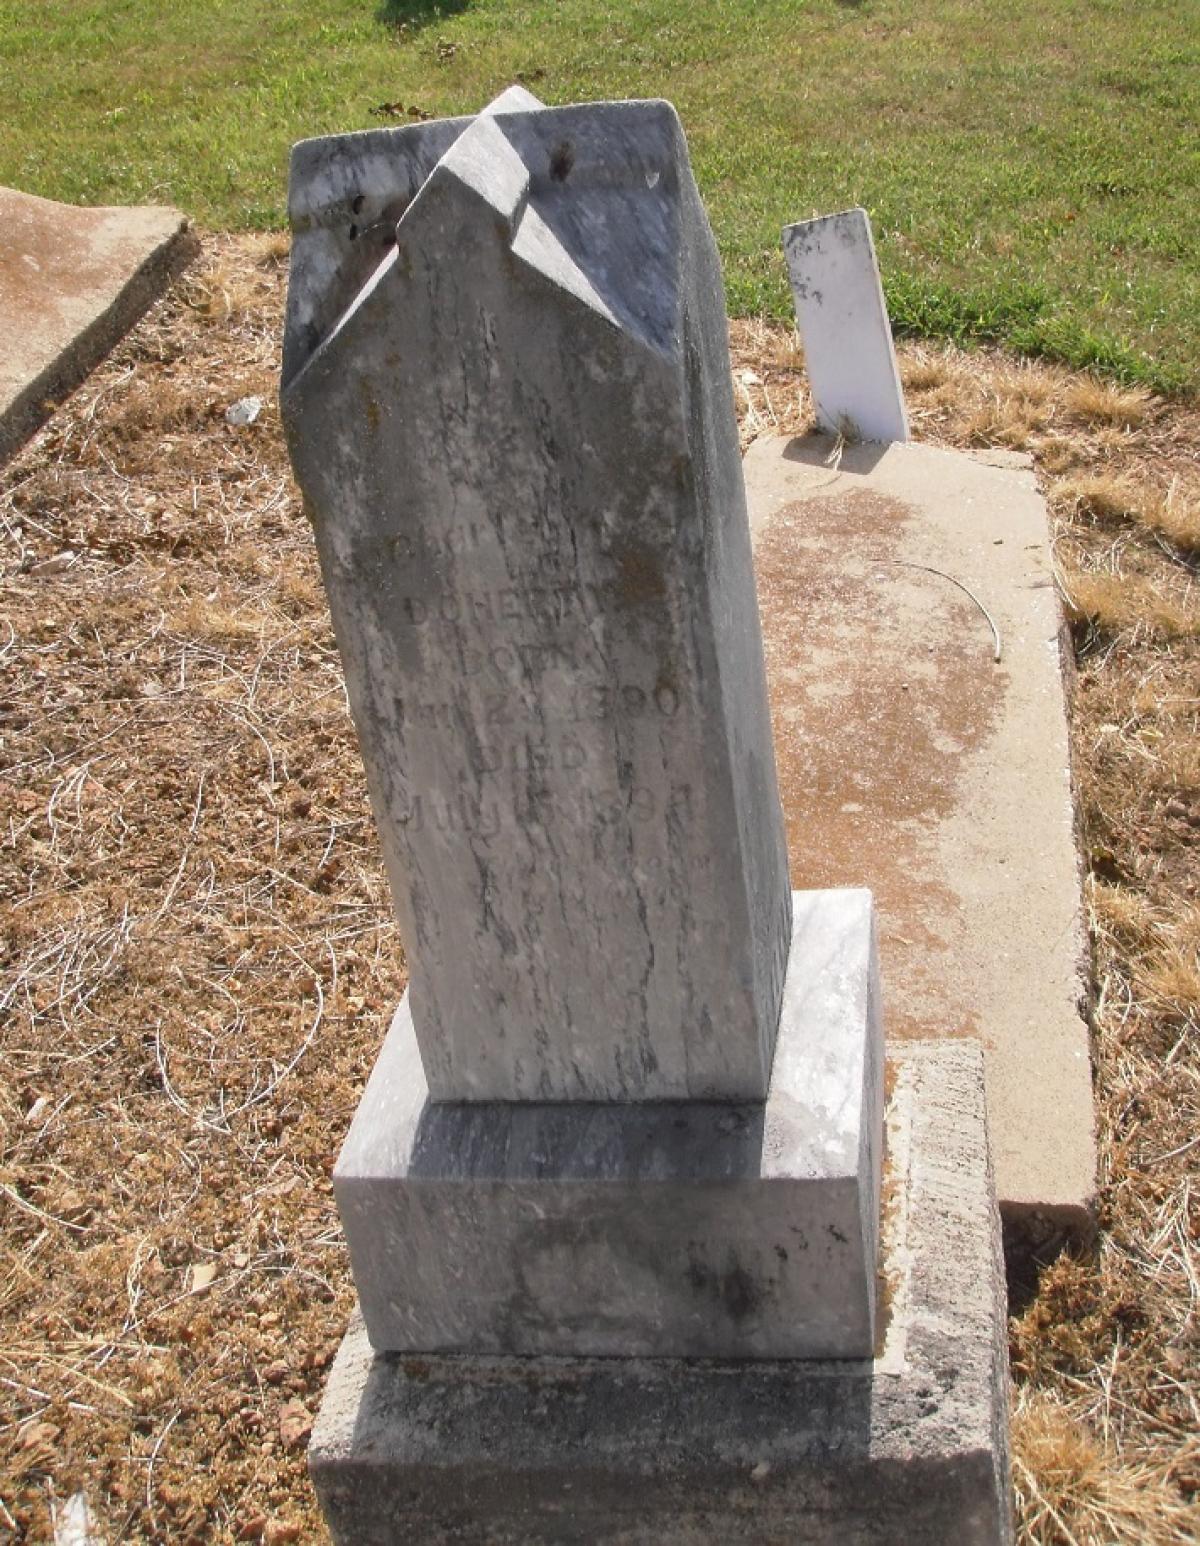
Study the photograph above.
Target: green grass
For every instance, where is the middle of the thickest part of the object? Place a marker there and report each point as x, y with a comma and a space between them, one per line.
1032, 167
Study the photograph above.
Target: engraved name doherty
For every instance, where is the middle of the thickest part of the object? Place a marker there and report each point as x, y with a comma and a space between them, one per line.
536, 603
516, 442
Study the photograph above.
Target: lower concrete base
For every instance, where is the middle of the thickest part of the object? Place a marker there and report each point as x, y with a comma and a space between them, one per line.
659, 1229
909, 1447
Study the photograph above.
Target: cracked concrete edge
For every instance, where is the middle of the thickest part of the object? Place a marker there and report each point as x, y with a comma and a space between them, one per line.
35, 403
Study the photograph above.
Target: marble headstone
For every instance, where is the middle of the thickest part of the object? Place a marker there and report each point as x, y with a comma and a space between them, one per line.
508, 404
843, 322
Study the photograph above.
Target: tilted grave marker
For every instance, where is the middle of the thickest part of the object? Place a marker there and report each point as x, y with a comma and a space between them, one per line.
525, 483
843, 321
631, 1102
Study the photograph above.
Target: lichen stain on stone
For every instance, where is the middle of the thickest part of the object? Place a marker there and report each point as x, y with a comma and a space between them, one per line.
640, 579
738, 1291
561, 161
667, 680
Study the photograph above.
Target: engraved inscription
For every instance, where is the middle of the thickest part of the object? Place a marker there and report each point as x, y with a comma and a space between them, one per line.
532, 530
556, 604
522, 659
603, 701
481, 816
594, 703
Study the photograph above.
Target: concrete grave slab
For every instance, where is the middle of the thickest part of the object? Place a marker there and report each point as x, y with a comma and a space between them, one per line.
664, 1229
72, 282
907, 1447
912, 760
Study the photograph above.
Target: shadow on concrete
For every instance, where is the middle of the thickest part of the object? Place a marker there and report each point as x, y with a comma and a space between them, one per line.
574, 1450
818, 451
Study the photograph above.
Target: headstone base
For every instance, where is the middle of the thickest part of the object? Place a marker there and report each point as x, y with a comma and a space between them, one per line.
910, 1446
656, 1229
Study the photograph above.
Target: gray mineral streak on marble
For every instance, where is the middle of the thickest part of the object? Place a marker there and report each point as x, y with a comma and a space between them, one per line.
516, 441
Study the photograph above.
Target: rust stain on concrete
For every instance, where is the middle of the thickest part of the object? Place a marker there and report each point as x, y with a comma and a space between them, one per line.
881, 689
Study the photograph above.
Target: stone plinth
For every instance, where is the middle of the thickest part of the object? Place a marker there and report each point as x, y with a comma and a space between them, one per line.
663, 1229
906, 1448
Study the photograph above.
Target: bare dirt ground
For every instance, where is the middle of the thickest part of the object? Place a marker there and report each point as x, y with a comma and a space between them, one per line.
197, 961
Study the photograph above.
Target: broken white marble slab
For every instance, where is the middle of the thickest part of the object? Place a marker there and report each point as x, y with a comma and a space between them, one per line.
843, 323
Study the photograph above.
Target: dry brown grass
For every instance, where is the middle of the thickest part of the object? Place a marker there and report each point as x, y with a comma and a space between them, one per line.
197, 962
1112, 603
1101, 402
1169, 514
196, 927
1070, 1488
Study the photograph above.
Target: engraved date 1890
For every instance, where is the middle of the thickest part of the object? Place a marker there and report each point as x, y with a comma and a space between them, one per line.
590, 704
